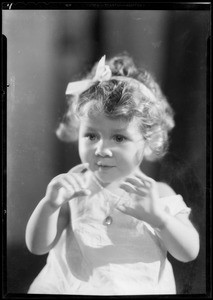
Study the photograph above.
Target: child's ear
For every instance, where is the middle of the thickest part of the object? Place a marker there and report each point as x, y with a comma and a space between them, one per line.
147, 150
148, 153
67, 133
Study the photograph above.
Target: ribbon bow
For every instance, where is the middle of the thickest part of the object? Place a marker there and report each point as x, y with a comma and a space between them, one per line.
102, 73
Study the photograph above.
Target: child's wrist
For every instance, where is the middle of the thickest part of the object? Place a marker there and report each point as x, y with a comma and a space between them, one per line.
50, 204
163, 223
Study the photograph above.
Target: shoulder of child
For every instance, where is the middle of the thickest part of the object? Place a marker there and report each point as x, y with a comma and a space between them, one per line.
165, 190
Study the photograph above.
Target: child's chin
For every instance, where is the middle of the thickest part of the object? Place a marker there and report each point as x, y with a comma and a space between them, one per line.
105, 178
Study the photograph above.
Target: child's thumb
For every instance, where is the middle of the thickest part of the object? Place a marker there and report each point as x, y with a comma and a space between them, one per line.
79, 168
121, 208
82, 193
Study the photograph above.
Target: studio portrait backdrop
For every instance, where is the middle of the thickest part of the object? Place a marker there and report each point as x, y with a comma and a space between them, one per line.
45, 51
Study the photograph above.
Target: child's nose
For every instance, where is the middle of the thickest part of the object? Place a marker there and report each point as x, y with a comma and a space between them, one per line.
103, 149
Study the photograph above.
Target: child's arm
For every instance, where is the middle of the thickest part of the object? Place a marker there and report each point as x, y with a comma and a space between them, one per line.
180, 237
51, 215
45, 227
177, 232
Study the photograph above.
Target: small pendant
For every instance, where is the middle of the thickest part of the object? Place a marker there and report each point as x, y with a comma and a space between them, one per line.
108, 221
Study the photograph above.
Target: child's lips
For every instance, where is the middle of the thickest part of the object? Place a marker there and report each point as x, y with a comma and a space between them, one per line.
104, 166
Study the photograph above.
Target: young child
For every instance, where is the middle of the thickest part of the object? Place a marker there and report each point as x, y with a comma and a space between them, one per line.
106, 225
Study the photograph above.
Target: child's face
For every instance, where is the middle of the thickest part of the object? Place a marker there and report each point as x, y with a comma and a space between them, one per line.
113, 148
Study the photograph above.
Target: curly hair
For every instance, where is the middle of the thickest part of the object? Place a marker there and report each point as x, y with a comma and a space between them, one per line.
120, 99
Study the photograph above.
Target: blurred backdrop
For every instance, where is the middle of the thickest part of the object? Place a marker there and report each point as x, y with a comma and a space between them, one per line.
48, 48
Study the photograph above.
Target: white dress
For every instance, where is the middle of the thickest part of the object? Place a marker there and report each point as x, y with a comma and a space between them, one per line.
124, 258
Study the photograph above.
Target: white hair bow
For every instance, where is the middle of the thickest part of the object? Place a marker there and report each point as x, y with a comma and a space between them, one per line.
102, 73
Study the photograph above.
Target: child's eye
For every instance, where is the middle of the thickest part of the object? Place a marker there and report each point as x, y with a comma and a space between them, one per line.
91, 136
119, 138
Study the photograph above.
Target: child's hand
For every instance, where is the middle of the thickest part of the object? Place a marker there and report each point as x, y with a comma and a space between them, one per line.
65, 187
145, 205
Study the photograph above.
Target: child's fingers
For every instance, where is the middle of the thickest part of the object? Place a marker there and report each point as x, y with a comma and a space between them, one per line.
62, 193
126, 210
76, 180
60, 182
70, 188
148, 181
80, 179
135, 181
129, 188
122, 208
79, 168
82, 193
75, 176
67, 195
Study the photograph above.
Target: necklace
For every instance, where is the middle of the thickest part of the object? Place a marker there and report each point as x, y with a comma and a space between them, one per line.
108, 220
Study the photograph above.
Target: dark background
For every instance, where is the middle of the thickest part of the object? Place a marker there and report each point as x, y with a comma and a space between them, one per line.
45, 50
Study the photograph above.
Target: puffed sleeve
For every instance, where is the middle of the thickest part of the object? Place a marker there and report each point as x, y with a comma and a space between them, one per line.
175, 205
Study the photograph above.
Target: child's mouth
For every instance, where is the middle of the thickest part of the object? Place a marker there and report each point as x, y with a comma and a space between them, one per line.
104, 167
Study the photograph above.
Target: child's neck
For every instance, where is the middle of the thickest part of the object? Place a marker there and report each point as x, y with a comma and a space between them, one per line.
113, 187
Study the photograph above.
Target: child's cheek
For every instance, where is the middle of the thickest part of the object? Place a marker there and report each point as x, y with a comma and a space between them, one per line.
86, 155
83, 153
138, 157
